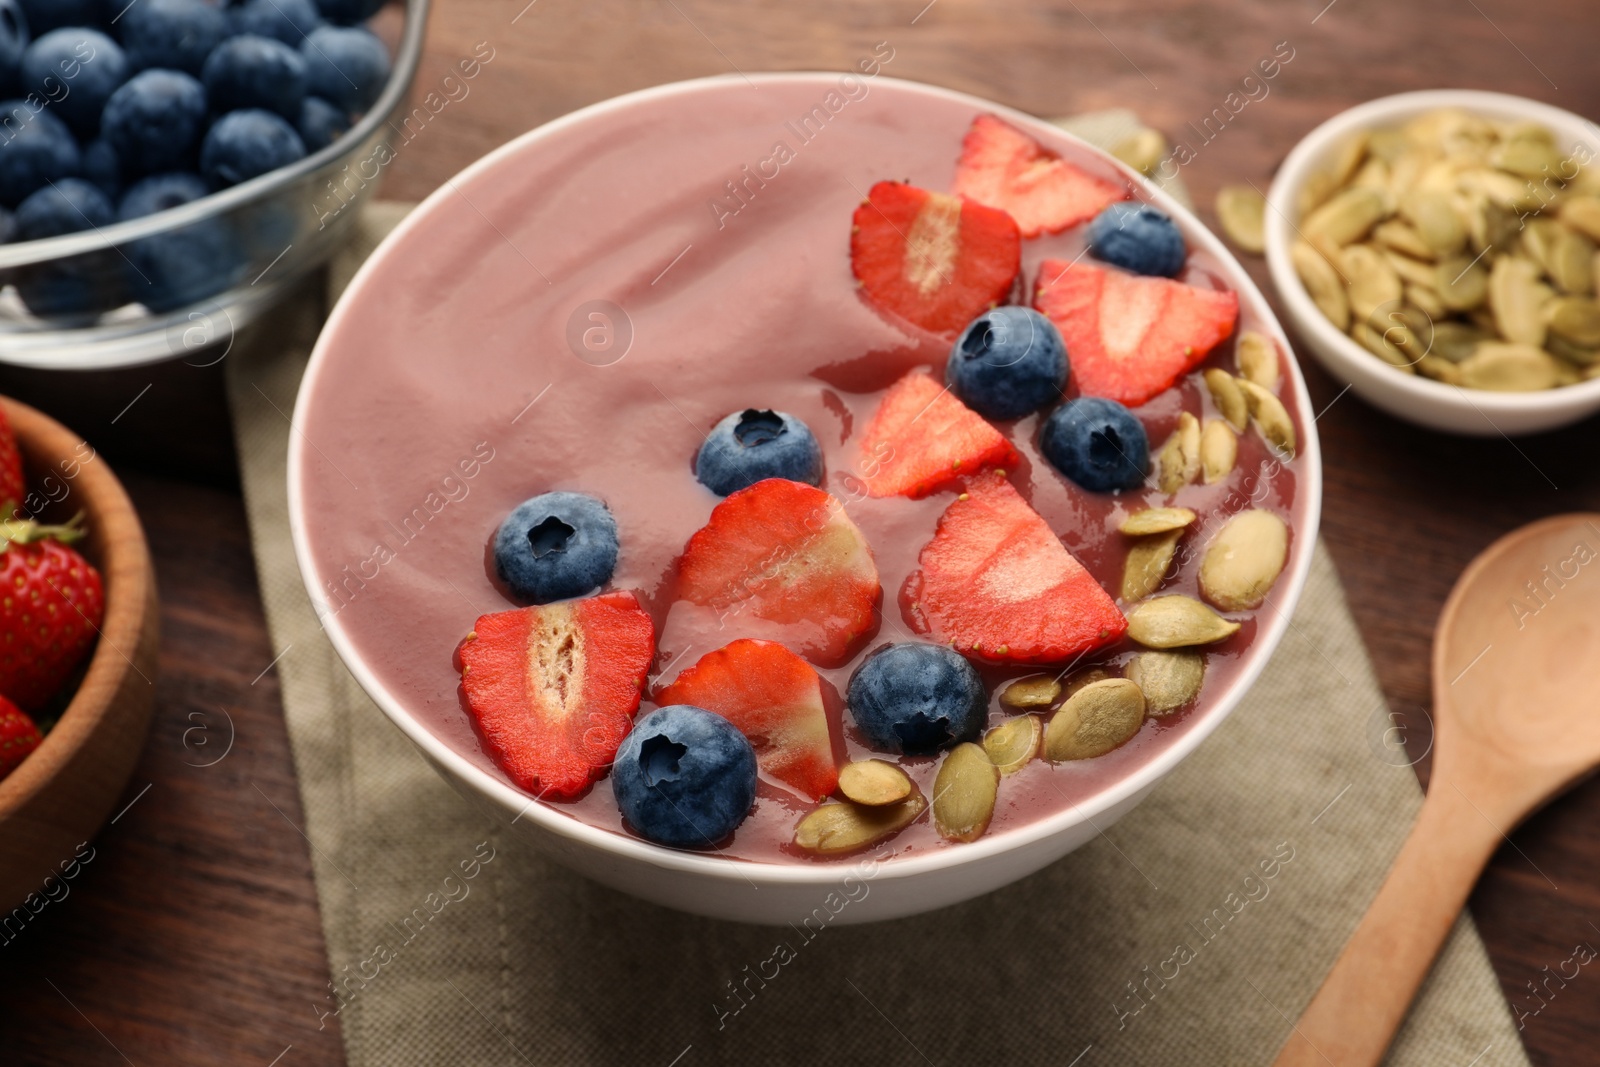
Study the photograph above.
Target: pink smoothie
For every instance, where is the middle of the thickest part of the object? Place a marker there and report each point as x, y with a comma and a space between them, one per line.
449, 388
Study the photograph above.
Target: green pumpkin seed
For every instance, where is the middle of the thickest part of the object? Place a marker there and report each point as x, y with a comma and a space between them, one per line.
1571, 262
1270, 417
874, 782
1436, 221
1169, 680
1403, 239
1530, 158
1425, 300
838, 828
1143, 151
1575, 319
1456, 341
1243, 560
1582, 213
1509, 368
1226, 395
1373, 282
1314, 193
1491, 227
1097, 719
1039, 691
1177, 622
1219, 451
1516, 297
1241, 210
1347, 216
1567, 352
1082, 678
1439, 369
964, 793
1412, 271
1323, 284
1538, 238
1148, 562
1257, 357
1381, 343
1348, 157
1506, 191
1178, 462
1156, 520
1462, 283
1013, 744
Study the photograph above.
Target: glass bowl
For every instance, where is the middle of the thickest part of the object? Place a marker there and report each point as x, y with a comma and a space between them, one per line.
260, 236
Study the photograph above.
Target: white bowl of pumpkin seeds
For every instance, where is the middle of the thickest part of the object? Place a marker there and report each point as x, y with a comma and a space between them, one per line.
1437, 251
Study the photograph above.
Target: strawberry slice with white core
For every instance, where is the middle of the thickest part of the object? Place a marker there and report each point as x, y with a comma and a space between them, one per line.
553, 688
1006, 169
997, 584
788, 554
1130, 336
933, 260
775, 699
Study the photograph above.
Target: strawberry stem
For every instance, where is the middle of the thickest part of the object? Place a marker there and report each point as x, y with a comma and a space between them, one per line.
28, 531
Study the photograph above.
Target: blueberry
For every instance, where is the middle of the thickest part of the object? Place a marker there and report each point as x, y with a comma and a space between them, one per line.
348, 11
752, 445
1007, 362
321, 123
8, 227
684, 777
1139, 238
46, 15
103, 167
347, 66
63, 207
181, 266
286, 20
77, 70
14, 40
255, 72
245, 144
155, 121
917, 698
160, 192
1097, 443
36, 148
172, 34
555, 546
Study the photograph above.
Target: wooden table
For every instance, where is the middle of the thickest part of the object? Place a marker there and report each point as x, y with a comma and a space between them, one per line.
194, 936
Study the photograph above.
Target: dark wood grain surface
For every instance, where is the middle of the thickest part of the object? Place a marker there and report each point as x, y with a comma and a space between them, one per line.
193, 938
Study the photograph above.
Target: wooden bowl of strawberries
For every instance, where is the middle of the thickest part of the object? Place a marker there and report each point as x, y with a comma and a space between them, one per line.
78, 637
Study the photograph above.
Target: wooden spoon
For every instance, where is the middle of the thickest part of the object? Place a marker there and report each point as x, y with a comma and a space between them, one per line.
1516, 719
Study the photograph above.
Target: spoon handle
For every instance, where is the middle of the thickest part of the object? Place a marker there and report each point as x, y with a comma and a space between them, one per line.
1364, 999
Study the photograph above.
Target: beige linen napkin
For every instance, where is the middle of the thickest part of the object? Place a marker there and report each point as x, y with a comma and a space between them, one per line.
1191, 932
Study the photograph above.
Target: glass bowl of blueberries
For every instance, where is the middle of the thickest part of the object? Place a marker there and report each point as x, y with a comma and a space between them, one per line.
169, 168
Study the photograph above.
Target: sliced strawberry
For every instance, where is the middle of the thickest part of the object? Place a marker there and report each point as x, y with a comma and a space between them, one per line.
1005, 168
775, 699
1129, 336
936, 261
998, 585
922, 437
553, 689
786, 553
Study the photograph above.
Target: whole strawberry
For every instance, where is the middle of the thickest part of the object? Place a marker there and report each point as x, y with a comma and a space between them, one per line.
18, 736
51, 604
12, 489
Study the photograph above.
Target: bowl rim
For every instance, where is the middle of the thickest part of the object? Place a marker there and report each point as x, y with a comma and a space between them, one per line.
713, 865
1296, 169
408, 57
128, 577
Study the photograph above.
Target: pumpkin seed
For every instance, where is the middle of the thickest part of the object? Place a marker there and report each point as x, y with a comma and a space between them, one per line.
1373, 282
964, 793
1241, 210
1178, 462
1322, 283
1149, 559
1347, 216
1571, 262
1462, 283
1315, 192
1491, 227
1348, 157
1400, 236
1509, 368
1538, 238
1229, 400
1219, 450
1096, 720
1083, 678
1177, 622
840, 827
1439, 369
1270, 416
1388, 145
1515, 297
1456, 341
1143, 151
1156, 520
1014, 743
1426, 300
1436, 221
1575, 319
1411, 271
1244, 559
1381, 343
1504, 190
1169, 680
1039, 691
1582, 213
874, 782
1567, 374
1257, 356
1567, 352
